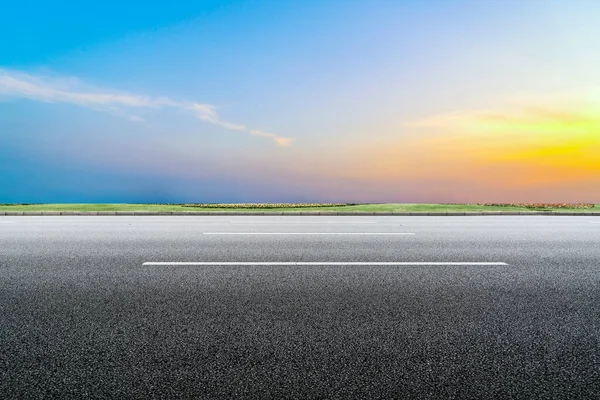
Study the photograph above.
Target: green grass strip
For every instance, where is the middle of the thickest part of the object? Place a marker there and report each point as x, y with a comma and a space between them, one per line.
392, 207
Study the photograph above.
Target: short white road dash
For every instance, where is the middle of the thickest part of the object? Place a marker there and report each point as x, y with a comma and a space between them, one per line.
302, 223
307, 233
322, 263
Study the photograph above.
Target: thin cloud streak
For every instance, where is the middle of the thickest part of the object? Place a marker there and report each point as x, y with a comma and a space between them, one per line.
21, 85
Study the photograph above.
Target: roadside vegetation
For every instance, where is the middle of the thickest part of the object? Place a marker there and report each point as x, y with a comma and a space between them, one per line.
299, 207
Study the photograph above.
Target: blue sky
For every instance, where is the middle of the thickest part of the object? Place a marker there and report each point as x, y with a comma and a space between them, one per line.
256, 101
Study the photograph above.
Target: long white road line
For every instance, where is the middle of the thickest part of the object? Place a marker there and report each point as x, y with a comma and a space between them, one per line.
322, 263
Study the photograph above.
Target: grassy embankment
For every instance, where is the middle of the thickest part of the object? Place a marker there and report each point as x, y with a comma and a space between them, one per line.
399, 207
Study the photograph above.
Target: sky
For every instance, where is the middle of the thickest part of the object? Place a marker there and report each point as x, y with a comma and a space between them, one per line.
369, 101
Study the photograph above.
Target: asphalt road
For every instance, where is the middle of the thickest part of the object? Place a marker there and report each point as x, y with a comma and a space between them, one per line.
82, 316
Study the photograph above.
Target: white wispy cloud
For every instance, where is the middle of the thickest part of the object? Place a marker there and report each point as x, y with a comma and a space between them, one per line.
73, 91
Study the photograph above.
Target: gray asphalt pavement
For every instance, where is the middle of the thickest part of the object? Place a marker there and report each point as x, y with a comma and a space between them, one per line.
81, 316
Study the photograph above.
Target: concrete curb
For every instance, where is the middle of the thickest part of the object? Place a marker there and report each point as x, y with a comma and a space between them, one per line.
293, 213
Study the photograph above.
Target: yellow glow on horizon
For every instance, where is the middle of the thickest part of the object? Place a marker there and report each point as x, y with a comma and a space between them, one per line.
533, 147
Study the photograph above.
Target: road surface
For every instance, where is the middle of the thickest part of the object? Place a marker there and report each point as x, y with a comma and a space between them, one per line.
465, 308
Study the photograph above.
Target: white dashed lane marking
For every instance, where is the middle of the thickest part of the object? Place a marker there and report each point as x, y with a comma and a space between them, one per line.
306, 233
324, 263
